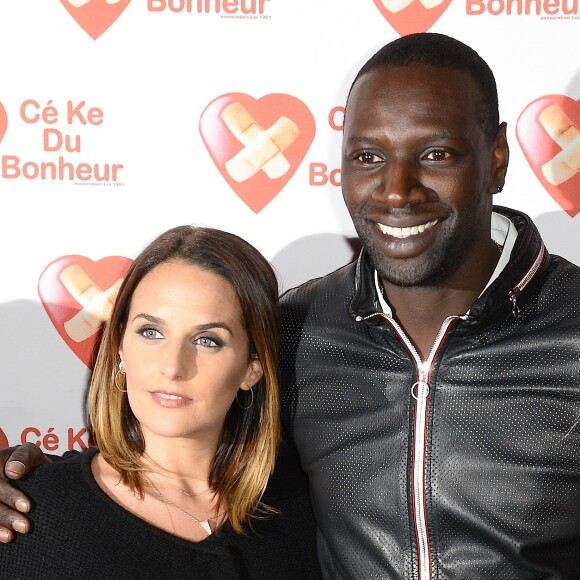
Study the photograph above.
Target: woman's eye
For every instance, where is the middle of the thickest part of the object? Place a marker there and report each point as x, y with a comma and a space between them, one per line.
206, 341
150, 333
368, 158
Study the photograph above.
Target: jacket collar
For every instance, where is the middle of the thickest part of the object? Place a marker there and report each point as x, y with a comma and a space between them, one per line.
506, 293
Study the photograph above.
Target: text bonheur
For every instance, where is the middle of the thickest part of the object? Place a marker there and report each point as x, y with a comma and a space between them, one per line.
207, 6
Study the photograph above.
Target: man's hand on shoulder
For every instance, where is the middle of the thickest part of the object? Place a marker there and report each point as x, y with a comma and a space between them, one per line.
15, 462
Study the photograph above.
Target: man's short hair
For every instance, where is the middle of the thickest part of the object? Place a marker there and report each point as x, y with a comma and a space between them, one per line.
430, 49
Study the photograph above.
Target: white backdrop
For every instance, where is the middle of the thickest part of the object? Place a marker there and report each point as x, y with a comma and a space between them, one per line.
112, 129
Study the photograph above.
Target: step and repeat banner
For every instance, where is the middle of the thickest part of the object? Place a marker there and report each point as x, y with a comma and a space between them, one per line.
122, 118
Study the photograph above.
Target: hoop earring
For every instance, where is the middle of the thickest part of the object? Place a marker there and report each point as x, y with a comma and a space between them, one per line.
120, 371
246, 407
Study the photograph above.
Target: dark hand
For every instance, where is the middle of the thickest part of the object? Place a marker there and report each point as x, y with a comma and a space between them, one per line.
14, 463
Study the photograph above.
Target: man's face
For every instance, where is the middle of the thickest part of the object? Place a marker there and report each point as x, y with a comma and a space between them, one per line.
418, 173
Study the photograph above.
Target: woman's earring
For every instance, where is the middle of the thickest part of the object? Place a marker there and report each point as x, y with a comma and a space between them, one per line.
499, 189
120, 371
245, 407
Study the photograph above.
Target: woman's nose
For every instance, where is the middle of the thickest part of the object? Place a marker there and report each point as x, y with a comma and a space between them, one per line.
176, 363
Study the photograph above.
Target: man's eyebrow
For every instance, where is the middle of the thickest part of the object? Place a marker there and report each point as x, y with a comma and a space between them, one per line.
372, 140
360, 139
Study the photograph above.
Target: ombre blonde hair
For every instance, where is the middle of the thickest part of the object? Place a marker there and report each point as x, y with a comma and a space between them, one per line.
249, 441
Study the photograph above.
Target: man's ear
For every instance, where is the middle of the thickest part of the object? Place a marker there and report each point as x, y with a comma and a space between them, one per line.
500, 159
253, 374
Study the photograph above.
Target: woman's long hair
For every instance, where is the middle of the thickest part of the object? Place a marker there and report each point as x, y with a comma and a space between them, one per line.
248, 445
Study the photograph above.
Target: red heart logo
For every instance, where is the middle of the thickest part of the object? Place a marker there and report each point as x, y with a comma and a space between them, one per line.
257, 144
548, 131
3, 121
95, 16
3, 440
78, 296
409, 16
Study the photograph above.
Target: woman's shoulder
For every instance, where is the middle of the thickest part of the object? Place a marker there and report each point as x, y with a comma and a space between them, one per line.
59, 473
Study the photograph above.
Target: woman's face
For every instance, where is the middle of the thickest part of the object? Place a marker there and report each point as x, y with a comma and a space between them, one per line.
185, 353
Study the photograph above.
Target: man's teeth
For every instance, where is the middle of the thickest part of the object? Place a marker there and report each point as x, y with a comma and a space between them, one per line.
406, 232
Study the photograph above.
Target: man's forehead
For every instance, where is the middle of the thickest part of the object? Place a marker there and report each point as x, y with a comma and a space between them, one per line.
415, 75
380, 85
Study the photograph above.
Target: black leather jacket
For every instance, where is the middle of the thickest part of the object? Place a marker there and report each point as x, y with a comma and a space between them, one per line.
464, 466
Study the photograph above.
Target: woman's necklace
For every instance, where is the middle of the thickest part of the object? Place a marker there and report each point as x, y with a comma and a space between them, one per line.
203, 523
182, 490
167, 474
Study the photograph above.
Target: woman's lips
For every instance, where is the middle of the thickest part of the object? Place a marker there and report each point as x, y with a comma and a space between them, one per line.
169, 400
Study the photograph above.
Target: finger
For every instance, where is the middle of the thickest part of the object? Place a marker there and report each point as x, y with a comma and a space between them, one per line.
22, 459
6, 536
14, 463
11, 499
10, 522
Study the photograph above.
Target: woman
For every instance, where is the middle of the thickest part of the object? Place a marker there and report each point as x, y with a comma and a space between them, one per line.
183, 409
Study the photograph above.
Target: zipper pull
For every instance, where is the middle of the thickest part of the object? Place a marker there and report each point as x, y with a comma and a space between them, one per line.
513, 296
420, 390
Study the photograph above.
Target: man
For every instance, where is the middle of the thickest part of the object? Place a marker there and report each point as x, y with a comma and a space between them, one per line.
432, 387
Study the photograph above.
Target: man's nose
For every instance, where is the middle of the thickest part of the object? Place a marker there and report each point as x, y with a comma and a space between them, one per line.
400, 185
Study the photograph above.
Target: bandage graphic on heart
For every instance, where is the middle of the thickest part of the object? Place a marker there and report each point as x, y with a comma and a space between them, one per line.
548, 131
3, 122
409, 16
78, 296
257, 144
95, 16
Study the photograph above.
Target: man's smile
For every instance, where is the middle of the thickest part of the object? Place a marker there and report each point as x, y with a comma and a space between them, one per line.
408, 231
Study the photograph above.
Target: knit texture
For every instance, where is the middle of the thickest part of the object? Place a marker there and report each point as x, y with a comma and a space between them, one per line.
79, 533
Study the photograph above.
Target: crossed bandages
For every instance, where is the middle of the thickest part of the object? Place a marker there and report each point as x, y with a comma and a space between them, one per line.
79, 3
97, 304
398, 5
263, 148
566, 134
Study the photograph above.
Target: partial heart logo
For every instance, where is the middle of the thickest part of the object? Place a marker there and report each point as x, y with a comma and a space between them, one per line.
257, 144
3, 440
78, 296
548, 131
95, 16
409, 16
3, 122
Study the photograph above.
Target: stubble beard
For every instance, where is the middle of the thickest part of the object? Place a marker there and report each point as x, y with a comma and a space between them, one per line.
432, 269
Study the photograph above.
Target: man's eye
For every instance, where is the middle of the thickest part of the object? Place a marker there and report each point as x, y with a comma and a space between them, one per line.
368, 158
438, 155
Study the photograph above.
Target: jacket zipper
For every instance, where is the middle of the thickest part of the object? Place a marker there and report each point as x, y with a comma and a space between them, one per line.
420, 392
527, 278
